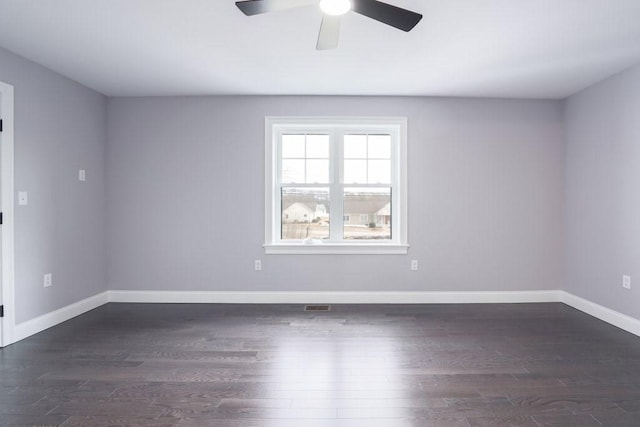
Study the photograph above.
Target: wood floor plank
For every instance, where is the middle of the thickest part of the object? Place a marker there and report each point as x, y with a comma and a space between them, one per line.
357, 365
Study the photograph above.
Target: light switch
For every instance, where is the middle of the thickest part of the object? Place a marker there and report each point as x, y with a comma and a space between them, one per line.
82, 175
22, 198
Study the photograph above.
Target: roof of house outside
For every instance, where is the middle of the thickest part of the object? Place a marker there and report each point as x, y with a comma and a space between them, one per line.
365, 203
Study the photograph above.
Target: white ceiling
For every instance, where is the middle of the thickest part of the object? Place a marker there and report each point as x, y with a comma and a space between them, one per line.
489, 48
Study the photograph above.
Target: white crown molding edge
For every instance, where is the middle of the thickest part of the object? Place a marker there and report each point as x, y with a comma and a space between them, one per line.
31, 327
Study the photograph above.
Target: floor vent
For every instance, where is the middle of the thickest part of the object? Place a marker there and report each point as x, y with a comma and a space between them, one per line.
317, 308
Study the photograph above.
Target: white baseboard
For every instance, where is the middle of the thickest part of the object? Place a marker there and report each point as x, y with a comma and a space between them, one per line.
622, 321
33, 326
230, 297
46, 321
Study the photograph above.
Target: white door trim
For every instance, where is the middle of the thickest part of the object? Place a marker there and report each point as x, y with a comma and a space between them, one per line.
6, 168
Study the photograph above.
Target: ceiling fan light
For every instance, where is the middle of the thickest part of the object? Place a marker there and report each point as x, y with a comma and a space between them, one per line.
335, 7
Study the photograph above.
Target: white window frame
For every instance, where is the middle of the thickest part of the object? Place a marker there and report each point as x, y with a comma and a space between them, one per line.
336, 126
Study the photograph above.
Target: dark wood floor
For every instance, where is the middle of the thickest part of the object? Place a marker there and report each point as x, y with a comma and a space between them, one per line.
278, 366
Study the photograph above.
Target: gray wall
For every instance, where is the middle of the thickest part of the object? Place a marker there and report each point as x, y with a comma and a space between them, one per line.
185, 194
59, 128
603, 192
186, 203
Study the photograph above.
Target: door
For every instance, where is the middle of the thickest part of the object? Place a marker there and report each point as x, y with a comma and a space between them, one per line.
7, 299
1, 226
1, 257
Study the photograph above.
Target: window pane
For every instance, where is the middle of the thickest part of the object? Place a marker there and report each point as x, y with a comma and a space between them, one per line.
379, 172
367, 214
305, 213
292, 146
293, 171
353, 166
355, 172
317, 171
318, 146
379, 147
355, 146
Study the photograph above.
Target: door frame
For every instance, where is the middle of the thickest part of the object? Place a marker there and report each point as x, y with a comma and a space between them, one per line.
7, 286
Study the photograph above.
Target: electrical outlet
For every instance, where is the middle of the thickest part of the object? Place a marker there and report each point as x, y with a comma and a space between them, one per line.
257, 264
414, 265
626, 282
48, 280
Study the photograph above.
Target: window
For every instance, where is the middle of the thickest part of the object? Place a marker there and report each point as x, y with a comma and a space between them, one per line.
335, 185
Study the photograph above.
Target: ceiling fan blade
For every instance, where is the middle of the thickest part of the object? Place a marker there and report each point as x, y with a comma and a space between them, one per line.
329, 32
255, 7
402, 19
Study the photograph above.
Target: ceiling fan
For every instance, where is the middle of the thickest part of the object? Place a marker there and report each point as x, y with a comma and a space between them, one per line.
397, 17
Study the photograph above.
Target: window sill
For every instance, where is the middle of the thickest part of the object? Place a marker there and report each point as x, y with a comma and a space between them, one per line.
335, 249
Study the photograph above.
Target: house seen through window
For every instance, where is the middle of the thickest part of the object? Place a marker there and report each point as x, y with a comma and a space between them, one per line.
335, 183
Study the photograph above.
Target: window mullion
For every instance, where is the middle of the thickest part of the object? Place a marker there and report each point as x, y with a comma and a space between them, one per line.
395, 188
337, 211
276, 197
